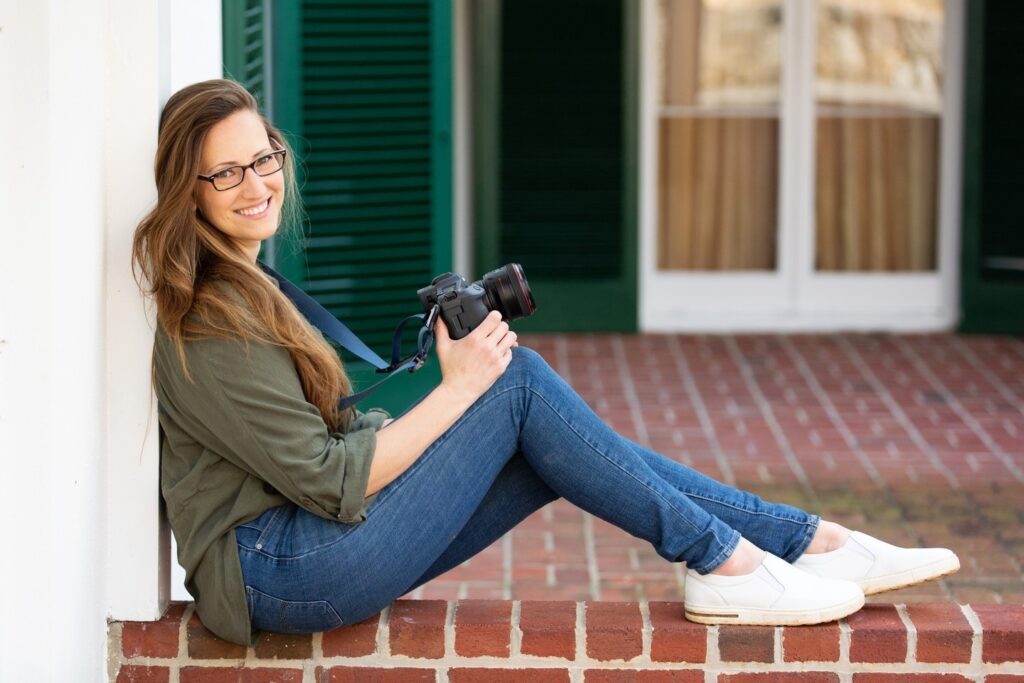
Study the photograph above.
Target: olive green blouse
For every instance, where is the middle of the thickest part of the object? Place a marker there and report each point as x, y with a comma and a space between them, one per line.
237, 440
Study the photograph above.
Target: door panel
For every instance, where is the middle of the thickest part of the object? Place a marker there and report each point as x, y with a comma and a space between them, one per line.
878, 96
718, 124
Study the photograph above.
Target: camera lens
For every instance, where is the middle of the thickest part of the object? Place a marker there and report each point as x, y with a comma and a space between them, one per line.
509, 292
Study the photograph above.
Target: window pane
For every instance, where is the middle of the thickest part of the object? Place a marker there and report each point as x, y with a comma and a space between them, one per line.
718, 130
879, 97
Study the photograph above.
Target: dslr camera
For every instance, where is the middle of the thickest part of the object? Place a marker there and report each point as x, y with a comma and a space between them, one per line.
464, 305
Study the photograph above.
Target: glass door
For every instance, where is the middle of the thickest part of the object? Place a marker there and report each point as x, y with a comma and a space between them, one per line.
793, 164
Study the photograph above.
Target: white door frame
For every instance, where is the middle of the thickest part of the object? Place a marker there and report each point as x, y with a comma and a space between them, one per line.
794, 297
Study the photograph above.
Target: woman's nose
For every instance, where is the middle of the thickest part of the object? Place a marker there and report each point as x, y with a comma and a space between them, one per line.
252, 183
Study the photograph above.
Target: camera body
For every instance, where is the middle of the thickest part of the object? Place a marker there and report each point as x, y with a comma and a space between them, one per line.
464, 305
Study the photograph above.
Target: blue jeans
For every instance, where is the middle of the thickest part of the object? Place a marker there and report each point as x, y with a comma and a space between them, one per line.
528, 440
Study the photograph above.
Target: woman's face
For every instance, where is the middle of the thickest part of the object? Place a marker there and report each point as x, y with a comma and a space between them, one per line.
250, 212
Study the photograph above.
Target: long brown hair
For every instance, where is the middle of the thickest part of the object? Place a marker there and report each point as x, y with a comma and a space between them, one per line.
191, 268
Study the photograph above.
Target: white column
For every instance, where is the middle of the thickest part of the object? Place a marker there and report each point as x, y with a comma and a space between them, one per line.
83, 84
52, 389
159, 49
192, 43
137, 557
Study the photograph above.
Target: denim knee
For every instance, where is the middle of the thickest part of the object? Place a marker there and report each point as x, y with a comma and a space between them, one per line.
526, 365
526, 371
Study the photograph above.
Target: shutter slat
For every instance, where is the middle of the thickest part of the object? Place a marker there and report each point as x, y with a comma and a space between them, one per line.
369, 13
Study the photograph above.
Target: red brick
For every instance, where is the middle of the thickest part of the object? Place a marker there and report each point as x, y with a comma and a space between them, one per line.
130, 673
878, 635
222, 674
943, 633
366, 674
911, 678
625, 676
153, 638
202, 644
357, 640
508, 675
775, 677
613, 630
549, 628
673, 638
483, 628
1002, 632
1004, 678
284, 646
746, 643
818, 643
417, 628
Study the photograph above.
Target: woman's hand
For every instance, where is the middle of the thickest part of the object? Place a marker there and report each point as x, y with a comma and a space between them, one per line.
469, 366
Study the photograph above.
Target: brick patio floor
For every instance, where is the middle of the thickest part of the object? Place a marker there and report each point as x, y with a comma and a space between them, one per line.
918, 439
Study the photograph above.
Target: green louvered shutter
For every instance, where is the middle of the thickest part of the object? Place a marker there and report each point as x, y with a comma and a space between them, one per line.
245, 29
372, 180
367, 99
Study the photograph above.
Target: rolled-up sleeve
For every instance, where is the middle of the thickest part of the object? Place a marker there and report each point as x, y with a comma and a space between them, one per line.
247, 402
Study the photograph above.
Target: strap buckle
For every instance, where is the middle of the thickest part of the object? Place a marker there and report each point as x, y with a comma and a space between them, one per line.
424, 341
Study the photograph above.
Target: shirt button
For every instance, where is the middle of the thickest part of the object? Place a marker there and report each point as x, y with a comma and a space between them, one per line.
308, 502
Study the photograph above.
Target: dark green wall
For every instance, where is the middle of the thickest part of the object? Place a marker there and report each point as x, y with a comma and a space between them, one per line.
555, 103
993, 224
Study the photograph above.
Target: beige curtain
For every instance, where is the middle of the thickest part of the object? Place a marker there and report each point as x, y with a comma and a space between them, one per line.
717, 191
877, 179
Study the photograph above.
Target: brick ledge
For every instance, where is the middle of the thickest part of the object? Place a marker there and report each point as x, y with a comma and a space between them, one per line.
595, 642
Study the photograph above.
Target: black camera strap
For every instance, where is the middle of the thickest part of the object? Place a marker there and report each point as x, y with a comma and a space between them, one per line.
323, 320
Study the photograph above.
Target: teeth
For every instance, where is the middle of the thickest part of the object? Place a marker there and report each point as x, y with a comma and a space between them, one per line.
254, 210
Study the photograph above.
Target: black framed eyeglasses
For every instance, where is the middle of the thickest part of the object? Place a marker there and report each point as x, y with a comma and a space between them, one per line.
232, 176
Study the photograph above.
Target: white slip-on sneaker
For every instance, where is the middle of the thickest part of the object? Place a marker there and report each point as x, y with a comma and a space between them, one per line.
774, 594
877, 566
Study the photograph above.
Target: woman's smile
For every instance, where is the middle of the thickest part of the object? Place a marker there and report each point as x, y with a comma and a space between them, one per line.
257, 210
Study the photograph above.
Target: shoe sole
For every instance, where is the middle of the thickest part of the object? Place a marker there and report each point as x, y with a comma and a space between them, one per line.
762, 617
911, 577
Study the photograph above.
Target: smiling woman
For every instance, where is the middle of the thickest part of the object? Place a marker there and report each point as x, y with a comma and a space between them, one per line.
293, 515
244, 206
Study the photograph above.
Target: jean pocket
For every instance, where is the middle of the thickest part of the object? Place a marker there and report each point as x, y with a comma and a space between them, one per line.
268, 613
253, 534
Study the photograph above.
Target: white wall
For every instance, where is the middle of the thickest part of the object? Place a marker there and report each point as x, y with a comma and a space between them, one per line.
52, 392
83, 82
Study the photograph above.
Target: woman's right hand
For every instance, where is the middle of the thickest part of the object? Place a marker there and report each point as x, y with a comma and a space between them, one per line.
469, 366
